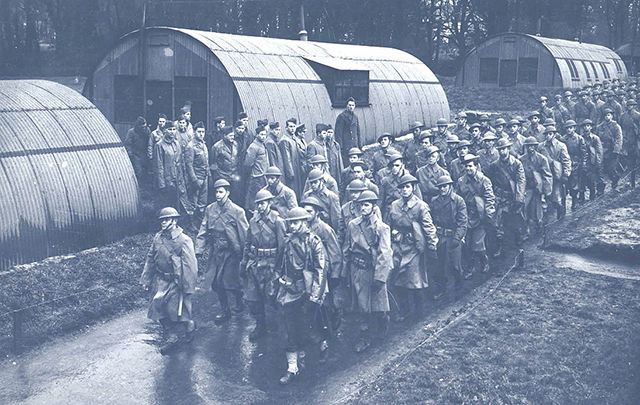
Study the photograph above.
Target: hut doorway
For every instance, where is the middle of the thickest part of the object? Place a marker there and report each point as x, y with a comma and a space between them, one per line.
508, 71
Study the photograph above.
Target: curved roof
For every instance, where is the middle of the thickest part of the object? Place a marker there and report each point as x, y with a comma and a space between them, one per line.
275, 79
66, 179
625, 50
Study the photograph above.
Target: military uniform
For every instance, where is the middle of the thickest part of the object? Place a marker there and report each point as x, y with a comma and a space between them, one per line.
577, 149
224, 165
197, 168
389, 191
273, 151
169, 170
330, 205
329, 182
427, 176
256, 164
294, 158
284, 198
560, 163
539, 185
334, 156
611, 137
536, 131
593, 164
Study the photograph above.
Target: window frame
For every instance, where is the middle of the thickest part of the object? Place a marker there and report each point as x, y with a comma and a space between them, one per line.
586, 70
575, 75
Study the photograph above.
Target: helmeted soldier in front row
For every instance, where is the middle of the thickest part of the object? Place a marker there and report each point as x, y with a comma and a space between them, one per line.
302, 287
476, 190
539, 182
284, 198
449, 213
262, 250
414, 241
369, 259
222, 233
171, 268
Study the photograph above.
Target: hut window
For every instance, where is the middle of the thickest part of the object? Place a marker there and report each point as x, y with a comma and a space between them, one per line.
595, 72
586, 70
193, 89
605, 70
573, 70
618, 66
350, 84
127, 98
528, 70
488, 70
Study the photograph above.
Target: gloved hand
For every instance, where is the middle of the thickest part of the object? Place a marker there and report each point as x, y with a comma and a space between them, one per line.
432, 254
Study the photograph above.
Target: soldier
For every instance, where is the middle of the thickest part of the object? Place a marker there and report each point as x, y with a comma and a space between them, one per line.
347, 128
536, 129
414, 241
222, 233
156, 135
475, 138
462, 129
255, 164
499, 126
584, 108
509, 181
593, 178
421, 158
429, 173
293, 159
369, 259
318, 146
545, 110
539, 183
212, 137
223, 159
484, 124
389, 184
450, 152
185, 111
302, 287
577, 150
412, 147
271, 144
442, 135
560, 112
171, 268
515, 137
330, 200
560, 164
449, 213
169, 170
476, 190
355, 154
489, 154
379, 160
284, 198
334, 155
349, 209
629, 122
320, 162
197, 168
262, 249
570, 104
136, 143
358, 170
456, 168
244, 136
610, 134
183, 135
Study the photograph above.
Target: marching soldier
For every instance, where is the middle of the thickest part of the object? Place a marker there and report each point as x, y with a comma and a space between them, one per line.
449, 213
560, 112
485, 124
329, 200
197, 168
262, 249
389, 185
171, 268
509, 181
414, 241
593, 177
349, 209
302, 287
369, 259
476, 190
536, 129
539, 183
584, 108
169, 170
379, 160
560, 164
577, 150
284, 198
610, 134
222, 233
428, 174
570, 104
442, 135
489, 154
449, 153
499, 126
456, 168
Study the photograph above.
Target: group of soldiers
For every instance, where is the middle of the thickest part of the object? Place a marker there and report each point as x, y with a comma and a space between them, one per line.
319, 231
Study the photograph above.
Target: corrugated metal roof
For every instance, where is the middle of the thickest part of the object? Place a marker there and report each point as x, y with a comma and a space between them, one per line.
66, 176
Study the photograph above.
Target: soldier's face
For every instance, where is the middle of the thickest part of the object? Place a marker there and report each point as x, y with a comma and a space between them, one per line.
530, 149
262, 136
586, 128
240, 129
172, 131
585, 98
366, 208
463, 150
161, 122
315, 185
200, 134
358, 172
355, 194
499, 128
229, 137
608, 116
221, 193
470, 168
291, 128
353, 158
535, 120
549, 136
396, 167
330, 134
475, 132
461, 121
425, 143
311, 210
406, 190
245, 121
488, 144
263, 206
182, 125
271, 180
187, 115
442, 128
513, 128
351, 105
296, 226
221, 124
277, 131
433, 158
317, 166
384, 142
322, 135
167, 223
444, 189
504, 153
571, 130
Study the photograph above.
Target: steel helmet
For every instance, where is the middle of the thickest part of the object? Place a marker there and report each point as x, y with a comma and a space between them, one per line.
357, 185
315, 174
168, 212
311, 200
263, 195
318, 159
273, 171
443, 180
503, 143
407, 179
367, 195
221, 183
297, 213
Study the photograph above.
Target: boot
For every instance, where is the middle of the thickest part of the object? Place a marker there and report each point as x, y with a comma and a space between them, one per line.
292, 369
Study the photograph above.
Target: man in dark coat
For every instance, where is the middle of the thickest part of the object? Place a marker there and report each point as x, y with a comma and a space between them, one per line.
169, 171
330, 200
560, 163
284, 198
172, 269
610, 134
212, 137
577, 149
389, 190
334, 155
539, 183
429, 173
256, 163
593, 177
347, 128
271, 144
224, 163
222, 233
136, 142
197, 173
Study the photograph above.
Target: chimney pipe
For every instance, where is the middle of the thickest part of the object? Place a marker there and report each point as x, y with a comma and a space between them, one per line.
303, 34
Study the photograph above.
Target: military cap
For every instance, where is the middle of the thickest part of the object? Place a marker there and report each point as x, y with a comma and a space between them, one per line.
443, 180
315, 159
329, 127
263, 195
300, 128
489, 136
242, 115
451, 138
355, 151
320, 128
388, 135
484, 117
426, 134
549, 121
313, 201
273, 171
607, 110
297, 213
185, 109
274, 125
238, 123
393, 157
500, 121
550, 129
199, 124
168, 212
461, 114
315, 174
543, 98
416, 125
463, 143
632, 102
557, 97
292, 120
140, 121
367, 196
607, 93
351, 99
262, 123
391, 151
218, 119
260, 128
406, 179
519, 119
586, 122
534, 114
503, 143
227, 129
442, 122
475, 125
530, 141
357, 185
431, 150
568, 93
570, 123
360, 163
221, 183
514, 122
469, 157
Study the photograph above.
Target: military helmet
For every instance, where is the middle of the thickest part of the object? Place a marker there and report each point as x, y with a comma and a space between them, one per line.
367, 195
489, 136
474, 125
355, 151
431, 150
406, 179
416, 125
263, 195
469, 157
568, 93
442, 122
393, 157
503, 143
586, 122
221, 183
463, 143
451, 138
360, 163
297, 213
530, 141
426, 134
461, 114
631, 102
311, 200
484, 117
549, 121
443, 180
385, 134
607, 111
357, 185
570, 123
500, 121
318, 159
273, 171
514, 122
168, 212
534, 114
550, 129
315, 174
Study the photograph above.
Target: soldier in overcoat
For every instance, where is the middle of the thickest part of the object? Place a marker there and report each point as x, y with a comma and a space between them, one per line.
283, 197
593, 176
577, 149
539, 183
611, 136
197, 169
560, 163
428, 174
169, 171
330, 200
389, 191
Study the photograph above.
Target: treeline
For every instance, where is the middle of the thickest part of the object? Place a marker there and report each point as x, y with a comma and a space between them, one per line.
69, 36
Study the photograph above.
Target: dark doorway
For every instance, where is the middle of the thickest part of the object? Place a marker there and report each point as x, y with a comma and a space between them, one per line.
159, 100
508, 70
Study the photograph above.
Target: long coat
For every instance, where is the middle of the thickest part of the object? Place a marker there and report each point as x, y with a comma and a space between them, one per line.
508, 179
196, 158
334, 156
224, 160
412, 233
273, 151
171, 267
367, 252
560, 164
477, 192
610, 134
347, 131
222, 233
330, 205
593, 161
428, 176
577, 149
449, 212
389, 191
284, 199
350, 212
294, 160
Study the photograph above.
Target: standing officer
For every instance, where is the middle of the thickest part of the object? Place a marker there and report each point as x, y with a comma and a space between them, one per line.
428, 174
222, 233
449, 213
283, 197
369, 259
560, 163
593, 178
329, 200
577, 149
414, 241
171, 267
197, 167
302, 287
539, 183
476, 190
262, 250
347, 128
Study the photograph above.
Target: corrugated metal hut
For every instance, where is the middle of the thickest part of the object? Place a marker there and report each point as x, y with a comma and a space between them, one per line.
276, 79
523, 60
65, 176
